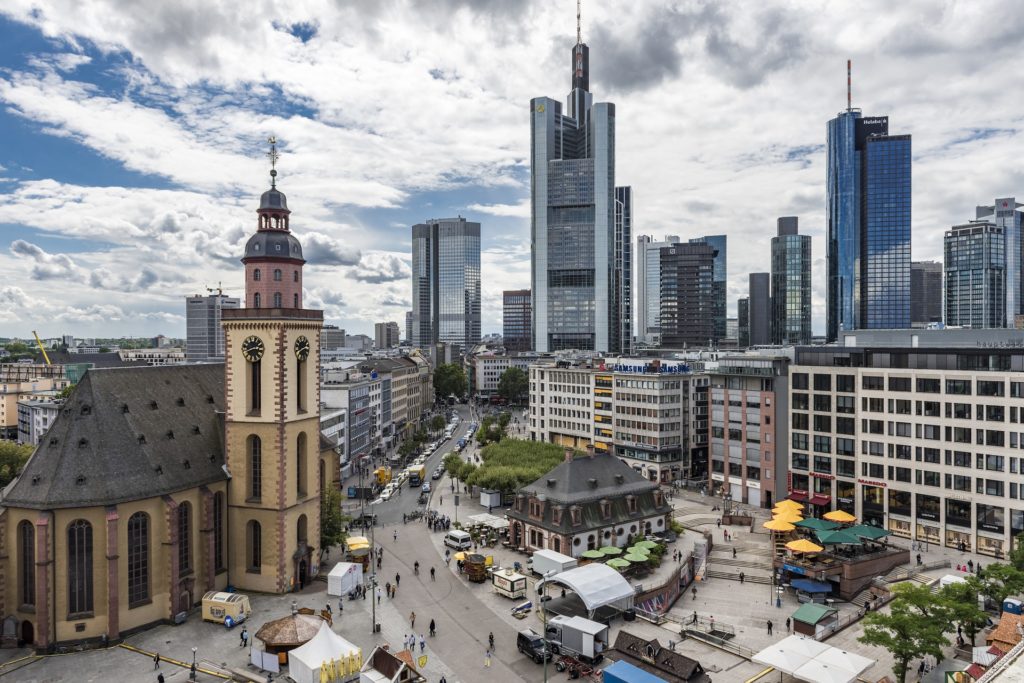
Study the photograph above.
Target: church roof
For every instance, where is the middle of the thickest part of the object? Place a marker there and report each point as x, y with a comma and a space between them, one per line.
128, 434
273, 244
588, 478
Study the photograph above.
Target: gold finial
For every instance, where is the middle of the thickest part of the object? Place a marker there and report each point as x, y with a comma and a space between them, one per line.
274, 156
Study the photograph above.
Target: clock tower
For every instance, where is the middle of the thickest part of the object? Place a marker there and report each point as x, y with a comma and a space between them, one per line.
272, 405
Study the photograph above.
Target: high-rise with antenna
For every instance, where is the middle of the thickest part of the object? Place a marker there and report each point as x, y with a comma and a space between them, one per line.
579, 275
868, 208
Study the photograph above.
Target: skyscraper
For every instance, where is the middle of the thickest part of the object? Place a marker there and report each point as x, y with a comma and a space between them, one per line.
204, 337
868, 231
385, 335
647, 285
720, 284
975, 275
791, 284
1004, 213
743, 322
515, 320
623, 271
760, 309
446, 282
687, 294
575, 254
408, 327
925, 293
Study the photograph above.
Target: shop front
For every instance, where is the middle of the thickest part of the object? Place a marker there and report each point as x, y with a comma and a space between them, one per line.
990, 545
846, 496
899, 527
991, 529
959, 539
926, 533
958, 525
873, 506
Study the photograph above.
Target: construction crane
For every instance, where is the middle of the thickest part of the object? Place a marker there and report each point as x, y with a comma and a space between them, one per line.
219, 290
41, 347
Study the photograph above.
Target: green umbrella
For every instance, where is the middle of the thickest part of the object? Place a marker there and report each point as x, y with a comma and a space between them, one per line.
839, 537
593, 554
617, 563
865, 531
638, 550
610, 550
633, 557
646, 544
817, 524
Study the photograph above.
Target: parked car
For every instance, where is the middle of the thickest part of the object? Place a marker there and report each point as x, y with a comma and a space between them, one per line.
529, 643
437, 474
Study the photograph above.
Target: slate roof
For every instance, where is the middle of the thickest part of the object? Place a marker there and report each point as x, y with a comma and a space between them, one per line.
98, 360
128, 434
650, 656
588, 478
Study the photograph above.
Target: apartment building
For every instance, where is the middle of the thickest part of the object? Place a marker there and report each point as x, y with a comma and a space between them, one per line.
926, 442
21, 387
165, 356
485, 372
34, 418
747, 427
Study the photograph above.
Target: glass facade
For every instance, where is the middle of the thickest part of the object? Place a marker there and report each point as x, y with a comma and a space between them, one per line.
446, 282
975, 276
648, 288
687, 295
516, 321
1006, 215
204, 335
719, 286
623, 271
791, 286
925, 293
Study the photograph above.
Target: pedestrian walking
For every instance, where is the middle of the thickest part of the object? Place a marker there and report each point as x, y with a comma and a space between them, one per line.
432, 630
769, 627
719, 522
330, 612
487, 658
432, 574
378, 594
919, 559
156, 661
490, 639
741, 577
387, 589
398, 579
412, 619
423, 644
694, 620
787, 624
396, 535
160, 678
734, 553
245, 637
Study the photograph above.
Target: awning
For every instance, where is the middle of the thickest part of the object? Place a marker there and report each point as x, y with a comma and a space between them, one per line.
597, 585
812, 586
820, 499
798, 495
808, 660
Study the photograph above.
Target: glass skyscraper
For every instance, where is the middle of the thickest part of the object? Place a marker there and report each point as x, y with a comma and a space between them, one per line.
868, 232
446, 282
579, 276
648, 288
720, 284
1005, 214
623, 272
975, 275
687, 295
791, 284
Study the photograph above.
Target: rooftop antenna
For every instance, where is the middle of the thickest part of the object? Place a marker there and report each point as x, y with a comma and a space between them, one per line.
274, 156
849, 85
579, 32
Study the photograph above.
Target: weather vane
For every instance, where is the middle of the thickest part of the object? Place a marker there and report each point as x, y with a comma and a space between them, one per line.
274, 156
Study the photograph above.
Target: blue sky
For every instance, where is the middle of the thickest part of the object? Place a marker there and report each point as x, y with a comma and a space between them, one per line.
134, 142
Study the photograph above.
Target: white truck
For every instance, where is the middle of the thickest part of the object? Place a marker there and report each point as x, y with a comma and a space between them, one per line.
544, 561
578, 637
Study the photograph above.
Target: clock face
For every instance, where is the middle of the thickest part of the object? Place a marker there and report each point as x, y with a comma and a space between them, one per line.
302, 348
252, 348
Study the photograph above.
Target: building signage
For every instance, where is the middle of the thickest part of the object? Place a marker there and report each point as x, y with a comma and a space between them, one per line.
821, 476
644, 367
794, 569
868, 482
1005, 344
932, 516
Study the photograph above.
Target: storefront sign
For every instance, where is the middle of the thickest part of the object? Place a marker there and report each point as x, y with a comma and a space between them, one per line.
868, 482
794, 569
822, 476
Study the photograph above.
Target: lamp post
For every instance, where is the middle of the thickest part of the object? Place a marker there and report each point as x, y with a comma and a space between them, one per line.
544, 621
373, 579
192, 672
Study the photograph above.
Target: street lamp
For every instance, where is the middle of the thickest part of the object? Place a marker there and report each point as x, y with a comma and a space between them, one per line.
192, 673
543, 620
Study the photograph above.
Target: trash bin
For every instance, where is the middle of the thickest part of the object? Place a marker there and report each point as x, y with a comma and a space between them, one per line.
629, 615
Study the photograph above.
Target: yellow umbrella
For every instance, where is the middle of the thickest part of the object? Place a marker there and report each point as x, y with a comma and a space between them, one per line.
459, 556
792, 517
791, 504
778, 525
804, 546
840, 516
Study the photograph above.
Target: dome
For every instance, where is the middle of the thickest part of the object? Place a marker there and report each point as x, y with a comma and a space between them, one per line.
273, 199
273, 244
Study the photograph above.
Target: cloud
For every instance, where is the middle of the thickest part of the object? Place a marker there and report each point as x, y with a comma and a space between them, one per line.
521, 210
321, 250
376, 268
47, 266
394, 300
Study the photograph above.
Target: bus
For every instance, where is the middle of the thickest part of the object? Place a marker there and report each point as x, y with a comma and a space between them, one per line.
417, 475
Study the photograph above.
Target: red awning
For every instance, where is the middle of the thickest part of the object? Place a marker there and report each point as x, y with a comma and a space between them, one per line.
820, 499
798, 496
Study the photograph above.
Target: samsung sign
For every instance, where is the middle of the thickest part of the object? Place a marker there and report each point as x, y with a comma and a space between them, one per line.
649, 367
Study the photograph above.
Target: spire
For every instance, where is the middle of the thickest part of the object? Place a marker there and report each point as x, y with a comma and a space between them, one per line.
580, 56
579, 30
849, 85
274, 156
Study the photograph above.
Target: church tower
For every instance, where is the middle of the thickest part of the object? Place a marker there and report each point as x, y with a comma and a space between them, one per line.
272, 404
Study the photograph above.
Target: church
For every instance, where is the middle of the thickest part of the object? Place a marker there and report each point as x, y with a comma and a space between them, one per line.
157, 484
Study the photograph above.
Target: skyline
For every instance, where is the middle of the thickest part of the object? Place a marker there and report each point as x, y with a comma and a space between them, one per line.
131, 144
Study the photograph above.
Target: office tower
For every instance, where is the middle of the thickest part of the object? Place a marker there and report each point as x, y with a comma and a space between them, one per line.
925, 293
791, 284
975, 275
446, 282
331, 338
868, 231
648, 288
385, 335
572, 226
516, 320
743, 322
687, 295
760, 309
720, 285
408, 327
623, 271
1004, 214
204, 337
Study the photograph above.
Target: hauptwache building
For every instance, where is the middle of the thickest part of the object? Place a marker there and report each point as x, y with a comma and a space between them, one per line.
157, 484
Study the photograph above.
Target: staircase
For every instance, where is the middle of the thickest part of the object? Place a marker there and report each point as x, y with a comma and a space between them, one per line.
748, 578
746, 564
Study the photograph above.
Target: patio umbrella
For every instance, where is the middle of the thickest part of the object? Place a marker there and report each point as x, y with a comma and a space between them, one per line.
593, 554
646, 544
792, 517
644, 552
817, 524
791, 504
459, 556
804, 546
839, 537
610, 551
617, 563
841, 516
865, 531
778, 525
634, 558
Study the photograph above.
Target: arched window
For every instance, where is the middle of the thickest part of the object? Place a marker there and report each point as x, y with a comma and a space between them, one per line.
255, 450
300, 385
138, 559
277, 274
295, 276
295, 300
218, 532
300, 530
300, 465
27, 564
255, 387
253, 546
256, 274
277, 299
323, 478
79, 567
256, 300
184, 538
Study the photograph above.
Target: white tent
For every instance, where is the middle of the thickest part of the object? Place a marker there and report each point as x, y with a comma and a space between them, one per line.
809, 660
344, 577
597, 585
326, 649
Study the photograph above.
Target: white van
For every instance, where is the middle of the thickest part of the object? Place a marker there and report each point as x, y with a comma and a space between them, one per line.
459, 540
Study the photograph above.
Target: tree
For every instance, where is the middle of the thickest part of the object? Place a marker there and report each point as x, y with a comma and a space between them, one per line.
999, 581
13, 457
904, 633
1017, 554
437, 423
332, 521
513, 385
449, 380
961, 601
66, 391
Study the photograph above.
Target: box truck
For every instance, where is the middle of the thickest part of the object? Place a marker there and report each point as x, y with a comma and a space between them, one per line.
578, 637
544, 561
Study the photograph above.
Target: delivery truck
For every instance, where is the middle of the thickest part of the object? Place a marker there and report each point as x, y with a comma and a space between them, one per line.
544, 561
578, 637
417, 475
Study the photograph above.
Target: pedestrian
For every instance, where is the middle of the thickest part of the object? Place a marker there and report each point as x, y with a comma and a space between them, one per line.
387, 588
487, 658
694, 620
441, 500
245, 637
378, 594
787, 624
423, 644
734, 553
741, 577
396, 535
432, 574
412, 619
378, 562
443, 679
769, 627
920, 669
919, 558
719, 522
156, 661
970, 565
160, 678
330, 612
711, 621
398, 579
432, 630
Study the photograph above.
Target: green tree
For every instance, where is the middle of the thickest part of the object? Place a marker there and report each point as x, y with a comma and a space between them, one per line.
332, 520
104, 349
504, 419
904, 633
407, 447
513, 385
452, 465
16, 348
449, 380
1000, 581
1017, 554
437, 423
12, 460
961, 601
66, 391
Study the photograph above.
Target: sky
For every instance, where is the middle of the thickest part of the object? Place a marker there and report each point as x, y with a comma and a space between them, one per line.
134, 136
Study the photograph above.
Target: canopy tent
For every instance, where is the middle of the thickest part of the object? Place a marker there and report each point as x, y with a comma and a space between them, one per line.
636, 558
344, 577
289, 631
778, 525
624, 671
804, 546
810, 660
840, 516
812, 586
789, 654
838, 537
597, 585
646, 544
329, 651
489, 520
357, 546
817, 524
638, 550
870, 532
791, 504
